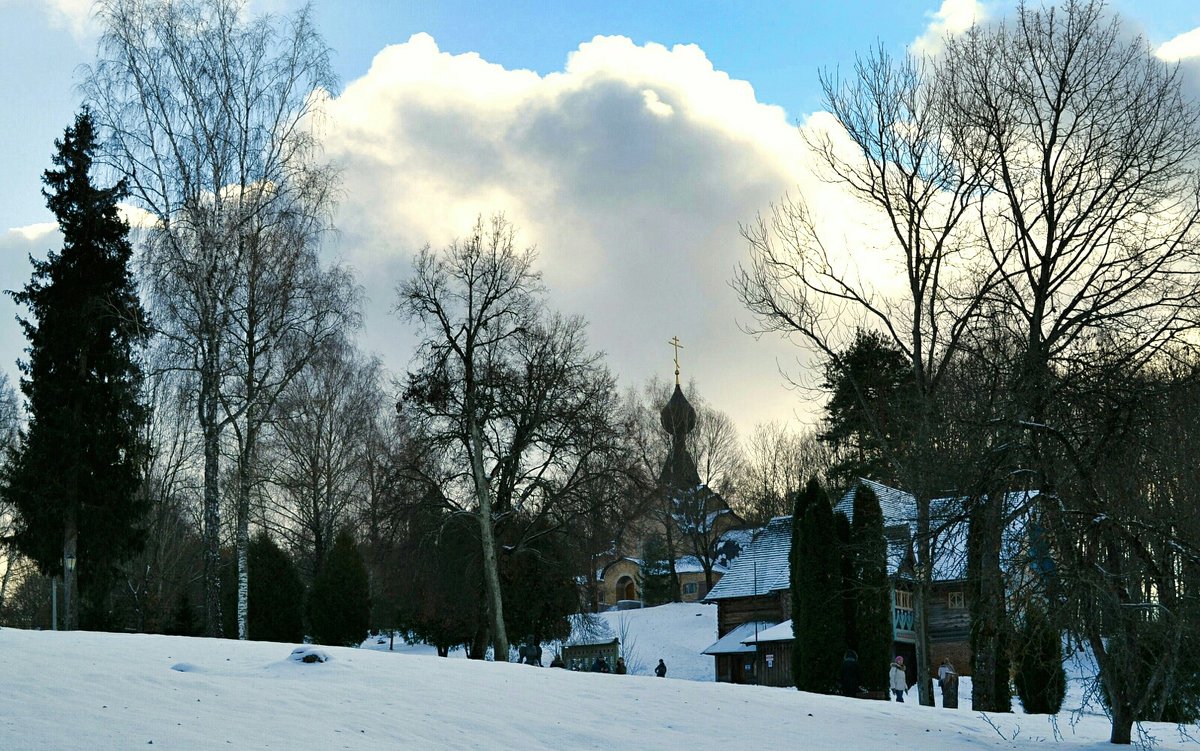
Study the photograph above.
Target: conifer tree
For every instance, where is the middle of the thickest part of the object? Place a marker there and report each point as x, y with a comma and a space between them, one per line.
1040, 677
339, 603
795, 557
816, 597
873, 608
74, 477
655, 572
276, 603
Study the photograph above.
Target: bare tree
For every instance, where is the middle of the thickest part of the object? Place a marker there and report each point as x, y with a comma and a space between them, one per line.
522, 413
10, 424
287, 307
316, 448
893, 154
161, 580
778, 462
1087, 149
211, 117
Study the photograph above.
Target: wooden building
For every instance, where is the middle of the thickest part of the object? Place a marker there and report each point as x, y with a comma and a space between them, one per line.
756, 591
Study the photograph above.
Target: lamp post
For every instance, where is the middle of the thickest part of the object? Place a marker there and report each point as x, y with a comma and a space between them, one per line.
69, 589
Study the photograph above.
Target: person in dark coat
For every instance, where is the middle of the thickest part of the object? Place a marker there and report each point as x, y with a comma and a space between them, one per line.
557, 662
600, 665
851, 676
621, 669
660, 669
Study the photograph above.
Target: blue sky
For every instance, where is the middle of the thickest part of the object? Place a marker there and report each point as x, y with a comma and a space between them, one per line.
630, 167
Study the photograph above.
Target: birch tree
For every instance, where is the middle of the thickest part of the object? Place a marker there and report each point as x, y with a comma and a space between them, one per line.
212, 118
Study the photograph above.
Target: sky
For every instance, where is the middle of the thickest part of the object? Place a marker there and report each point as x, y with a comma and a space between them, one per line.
626, 140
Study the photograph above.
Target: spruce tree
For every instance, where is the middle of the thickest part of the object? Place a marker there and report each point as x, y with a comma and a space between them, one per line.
817, 598
655, 572
1040, 677
873, 603
339, 603
801, 502
74, 477
846, 584
276, 598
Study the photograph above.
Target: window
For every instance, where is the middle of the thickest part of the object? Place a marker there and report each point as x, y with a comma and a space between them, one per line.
691, 588
904, 599
957, 600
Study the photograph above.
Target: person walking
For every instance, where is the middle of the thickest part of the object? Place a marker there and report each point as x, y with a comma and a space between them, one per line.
850, 674
621, 669
660, 669
897, 679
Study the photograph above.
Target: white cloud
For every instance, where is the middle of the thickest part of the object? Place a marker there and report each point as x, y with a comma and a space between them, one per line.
953, 17
1182, 47
73, 15
631, 170
32, 232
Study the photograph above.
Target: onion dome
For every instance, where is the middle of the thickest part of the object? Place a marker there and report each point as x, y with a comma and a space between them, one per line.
678, 416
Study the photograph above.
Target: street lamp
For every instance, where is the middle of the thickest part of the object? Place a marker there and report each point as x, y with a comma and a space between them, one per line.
68, 590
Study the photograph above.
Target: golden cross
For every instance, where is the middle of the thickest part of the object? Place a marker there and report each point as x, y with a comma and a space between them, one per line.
675, 343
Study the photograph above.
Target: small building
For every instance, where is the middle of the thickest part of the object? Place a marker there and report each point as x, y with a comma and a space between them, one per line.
582, 655
773, 655
620, 581
754, 593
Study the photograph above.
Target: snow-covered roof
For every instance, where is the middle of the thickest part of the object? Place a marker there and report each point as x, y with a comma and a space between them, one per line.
780, 632
684, 564
947, 526
763, 565
734, 642
690, 564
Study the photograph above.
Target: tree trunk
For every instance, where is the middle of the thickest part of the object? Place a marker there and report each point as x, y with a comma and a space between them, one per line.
487, 534
210, 426
921, 602
672, 554
1122, 724
245, 476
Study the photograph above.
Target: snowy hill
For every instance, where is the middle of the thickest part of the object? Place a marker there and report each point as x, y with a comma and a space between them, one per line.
114, 691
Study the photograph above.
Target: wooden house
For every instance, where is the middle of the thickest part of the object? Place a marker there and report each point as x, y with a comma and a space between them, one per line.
754, 597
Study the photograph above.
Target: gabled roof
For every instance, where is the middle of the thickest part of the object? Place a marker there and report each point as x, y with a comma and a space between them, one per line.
734, 642
781, 632
763, 565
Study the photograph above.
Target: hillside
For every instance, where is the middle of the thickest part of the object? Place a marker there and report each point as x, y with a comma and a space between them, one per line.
117, 691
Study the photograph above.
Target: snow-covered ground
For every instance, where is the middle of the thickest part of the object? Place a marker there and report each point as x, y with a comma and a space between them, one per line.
114, 691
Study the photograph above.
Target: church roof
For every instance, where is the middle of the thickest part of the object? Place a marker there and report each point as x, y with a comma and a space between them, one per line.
678, 415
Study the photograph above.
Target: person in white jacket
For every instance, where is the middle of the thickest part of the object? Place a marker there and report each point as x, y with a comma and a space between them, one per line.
897, 680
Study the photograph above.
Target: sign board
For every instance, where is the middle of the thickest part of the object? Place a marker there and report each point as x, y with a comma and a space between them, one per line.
770, 661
